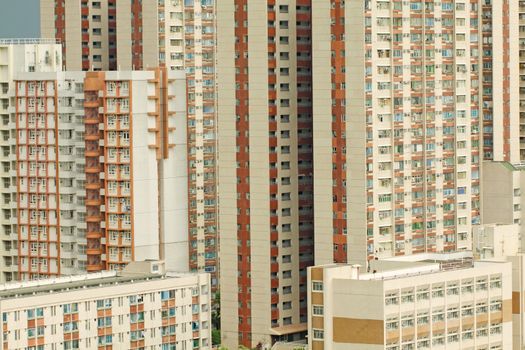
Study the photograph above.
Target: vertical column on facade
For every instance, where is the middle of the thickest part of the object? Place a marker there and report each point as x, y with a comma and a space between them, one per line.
136, 35
521, 15
161, 11
449, 116
243, 169
426, 242
199, 63
229, 67
506, 18
112, 34
272, 158
117, 173
418, 122
397, 123
38, 214
321, 136
338, 75
476, 135
84, 11
487, 80
60, 25
206, 52
303, 18
93, 85
521, 67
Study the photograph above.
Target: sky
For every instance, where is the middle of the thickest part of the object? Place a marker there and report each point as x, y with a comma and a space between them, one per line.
19, 19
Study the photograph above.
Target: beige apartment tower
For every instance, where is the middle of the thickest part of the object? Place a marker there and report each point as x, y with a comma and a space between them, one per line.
143, 34
397, 117
265, 178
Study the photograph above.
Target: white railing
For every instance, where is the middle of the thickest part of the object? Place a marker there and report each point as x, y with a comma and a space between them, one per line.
20, 41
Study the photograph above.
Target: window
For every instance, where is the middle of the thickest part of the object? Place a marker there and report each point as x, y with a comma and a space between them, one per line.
391, 299
70, 327
137, 317
495, 282
317, 286
453, 289
318, 334
392, 324
437, 291
317, 310
407, 296
407, 321
104, 304
423, 294
467, 310
423, 318
70, 308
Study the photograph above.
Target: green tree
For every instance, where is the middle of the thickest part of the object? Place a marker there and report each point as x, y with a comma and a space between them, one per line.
216, 312
216, 337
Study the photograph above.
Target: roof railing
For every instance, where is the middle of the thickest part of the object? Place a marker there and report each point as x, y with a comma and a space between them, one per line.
22, 41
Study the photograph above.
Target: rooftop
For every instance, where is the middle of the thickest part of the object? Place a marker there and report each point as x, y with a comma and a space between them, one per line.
134, 272
411, 265
23, 41
289, 329
434, 257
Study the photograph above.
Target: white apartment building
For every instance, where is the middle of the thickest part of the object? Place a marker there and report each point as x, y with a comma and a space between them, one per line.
141, 307
100, 177
16, 55
178, 35
503, 241
424, 301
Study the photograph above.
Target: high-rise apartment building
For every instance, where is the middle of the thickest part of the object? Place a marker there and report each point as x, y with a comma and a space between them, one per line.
16, 55
428, 301
100, 175
397, 118
265, 161
142, 306
142, 34
500, 38
392, 133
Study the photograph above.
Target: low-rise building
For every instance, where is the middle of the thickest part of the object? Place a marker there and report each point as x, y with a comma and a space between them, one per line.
422, 301
140, 307
503, 241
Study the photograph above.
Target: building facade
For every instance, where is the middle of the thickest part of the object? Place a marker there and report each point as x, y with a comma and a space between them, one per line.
503, 193
16, 55
434, 303
503, 241
404, 101
100, 179
521, 56
500, 35
141, 306
265, 162
143, 34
